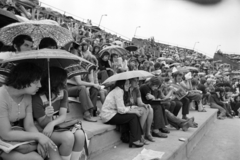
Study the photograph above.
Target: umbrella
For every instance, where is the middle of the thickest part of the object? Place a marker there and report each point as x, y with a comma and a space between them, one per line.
131, 48
7, 18
114, 49
96, 29
187, 69
46, 58
37, 30
165, 59
128, 75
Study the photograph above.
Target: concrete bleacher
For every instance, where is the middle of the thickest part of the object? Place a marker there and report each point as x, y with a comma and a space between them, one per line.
105, 141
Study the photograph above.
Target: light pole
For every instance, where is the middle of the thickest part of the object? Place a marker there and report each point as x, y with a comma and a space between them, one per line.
195, 45
136, 30
217, 47
101, 19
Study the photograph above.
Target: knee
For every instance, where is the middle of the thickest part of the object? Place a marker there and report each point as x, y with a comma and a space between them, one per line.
150, 111
79, 136
80, 88
67, 138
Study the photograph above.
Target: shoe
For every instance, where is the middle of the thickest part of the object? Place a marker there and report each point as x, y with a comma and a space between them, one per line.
159, 135
144, 141
164, 130
89, 119
203, 110
185, 125
137, 144
149, 138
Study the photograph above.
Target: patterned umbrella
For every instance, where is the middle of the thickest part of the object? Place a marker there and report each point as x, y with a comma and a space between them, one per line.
74, 65
37, 30
46, 58
114, 49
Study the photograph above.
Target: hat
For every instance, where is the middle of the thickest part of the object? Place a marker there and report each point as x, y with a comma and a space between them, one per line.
188, 76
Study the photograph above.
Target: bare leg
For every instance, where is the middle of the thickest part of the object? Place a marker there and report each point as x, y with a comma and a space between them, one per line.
149, 121
19, 156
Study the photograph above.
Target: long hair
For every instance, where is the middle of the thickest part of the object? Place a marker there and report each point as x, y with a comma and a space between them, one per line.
58, 77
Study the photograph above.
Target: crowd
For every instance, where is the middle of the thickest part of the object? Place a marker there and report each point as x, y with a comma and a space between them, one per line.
143, 108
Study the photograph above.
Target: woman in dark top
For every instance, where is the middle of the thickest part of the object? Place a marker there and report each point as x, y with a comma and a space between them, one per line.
70, 143
104, 66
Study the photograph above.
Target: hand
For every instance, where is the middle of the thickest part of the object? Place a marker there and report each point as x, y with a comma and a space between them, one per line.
138, 112
41, 151
48, 130
49, 111
46, 142
97, 86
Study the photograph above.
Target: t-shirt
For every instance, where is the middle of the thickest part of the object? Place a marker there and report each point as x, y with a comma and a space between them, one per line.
61, 101
145, 89
12, 111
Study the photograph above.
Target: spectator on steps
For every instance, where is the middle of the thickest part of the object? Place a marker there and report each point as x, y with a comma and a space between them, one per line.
116, 113
70, 145
16, 110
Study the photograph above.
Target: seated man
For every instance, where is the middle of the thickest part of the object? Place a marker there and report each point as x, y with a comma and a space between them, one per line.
78, 88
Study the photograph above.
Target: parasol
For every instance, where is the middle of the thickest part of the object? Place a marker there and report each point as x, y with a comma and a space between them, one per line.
114, 49
128, 75
37, 30
46, 58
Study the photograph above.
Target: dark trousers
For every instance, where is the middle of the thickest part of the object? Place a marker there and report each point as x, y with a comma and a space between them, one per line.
81, 92
178, 106
235, 106
159, 117
134, 124
185, 105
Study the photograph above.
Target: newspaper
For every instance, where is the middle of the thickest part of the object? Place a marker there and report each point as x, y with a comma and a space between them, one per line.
148, 154
9, 146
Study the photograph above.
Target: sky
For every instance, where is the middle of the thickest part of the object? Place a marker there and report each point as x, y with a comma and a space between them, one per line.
174, 22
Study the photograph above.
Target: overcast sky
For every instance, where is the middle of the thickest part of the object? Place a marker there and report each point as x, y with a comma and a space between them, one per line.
176, 22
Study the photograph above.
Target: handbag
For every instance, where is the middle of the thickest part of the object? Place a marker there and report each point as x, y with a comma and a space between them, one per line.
69, 125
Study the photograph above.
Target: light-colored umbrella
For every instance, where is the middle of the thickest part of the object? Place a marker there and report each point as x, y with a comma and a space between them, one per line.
37, 30
114, 49
128, 75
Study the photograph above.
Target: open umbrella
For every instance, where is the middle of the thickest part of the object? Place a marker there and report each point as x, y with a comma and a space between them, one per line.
49, 57
187, 69
131, 48
114, 49
74, 65
128, 75
37, 30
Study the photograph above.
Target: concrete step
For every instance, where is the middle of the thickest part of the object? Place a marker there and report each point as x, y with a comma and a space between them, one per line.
101, 136
173, 148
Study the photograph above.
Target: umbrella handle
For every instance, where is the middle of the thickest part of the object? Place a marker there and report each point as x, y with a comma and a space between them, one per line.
49, 83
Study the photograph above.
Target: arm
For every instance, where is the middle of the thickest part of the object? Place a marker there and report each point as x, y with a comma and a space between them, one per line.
83, 83
216, 100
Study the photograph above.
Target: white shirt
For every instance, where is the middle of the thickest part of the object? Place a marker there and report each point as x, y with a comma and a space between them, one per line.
113, 104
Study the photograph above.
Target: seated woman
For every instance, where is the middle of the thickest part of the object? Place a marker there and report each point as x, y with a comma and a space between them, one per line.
135, 99
115, 112
16, 109
70, 144
105, 70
